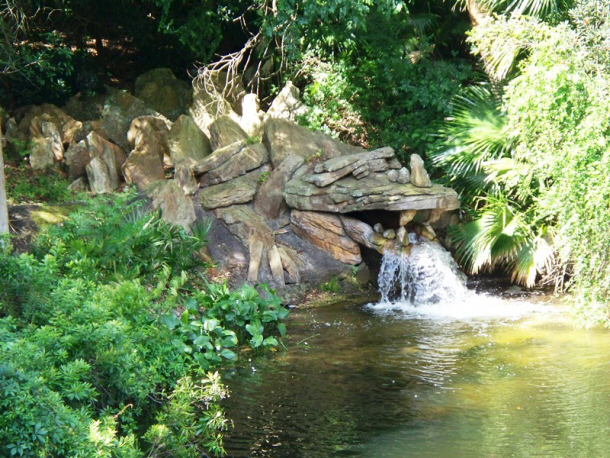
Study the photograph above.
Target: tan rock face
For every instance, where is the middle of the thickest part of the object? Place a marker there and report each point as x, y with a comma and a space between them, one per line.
251, 119
326, 232
94, 146
31, 123
187, 141
287, 105
45, 145
145, 162
256, 253
238, 191
361, 232
176, 208
163, 92
250, 157
419, 176
246, 225
374, 192
275, 263
120, 109
111, 154
269, 201
283, 137
98, 176
360, 165
290, 262
224, 131
217, 158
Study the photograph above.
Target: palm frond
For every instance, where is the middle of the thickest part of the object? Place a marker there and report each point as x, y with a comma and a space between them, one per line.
474, 135
537, 8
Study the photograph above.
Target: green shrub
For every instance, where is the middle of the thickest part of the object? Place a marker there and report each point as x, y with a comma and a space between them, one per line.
88, 363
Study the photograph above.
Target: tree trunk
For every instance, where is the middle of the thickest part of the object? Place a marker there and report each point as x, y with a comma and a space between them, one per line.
3, 203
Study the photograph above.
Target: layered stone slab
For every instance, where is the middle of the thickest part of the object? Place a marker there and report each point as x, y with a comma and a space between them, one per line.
360, 164
326, 232
373, 192
238, 191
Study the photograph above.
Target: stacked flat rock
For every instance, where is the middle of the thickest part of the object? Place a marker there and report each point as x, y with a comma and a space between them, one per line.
359, 165
373, 192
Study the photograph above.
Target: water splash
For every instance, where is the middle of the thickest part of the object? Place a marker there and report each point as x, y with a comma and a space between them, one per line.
425, 281
426, 274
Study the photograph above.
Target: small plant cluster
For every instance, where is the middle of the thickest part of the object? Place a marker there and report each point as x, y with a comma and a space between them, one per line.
215, 322
26, 187
94, 360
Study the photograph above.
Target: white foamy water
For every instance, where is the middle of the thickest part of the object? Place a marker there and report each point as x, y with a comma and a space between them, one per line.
427, 283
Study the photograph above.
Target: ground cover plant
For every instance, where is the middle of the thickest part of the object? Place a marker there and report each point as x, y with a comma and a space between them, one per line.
111, 337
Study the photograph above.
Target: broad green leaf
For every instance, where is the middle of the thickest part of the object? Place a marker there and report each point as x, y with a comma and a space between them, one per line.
228, 354
256, 341
170, 321
184, 318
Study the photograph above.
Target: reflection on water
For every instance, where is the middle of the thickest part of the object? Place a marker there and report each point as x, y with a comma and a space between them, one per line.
364, 382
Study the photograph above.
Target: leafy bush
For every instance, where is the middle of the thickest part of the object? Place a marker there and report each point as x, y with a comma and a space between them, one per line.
542, 168
383, 99
88, 363
217, 320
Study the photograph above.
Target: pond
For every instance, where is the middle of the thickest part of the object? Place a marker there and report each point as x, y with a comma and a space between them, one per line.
503, 378
434, 370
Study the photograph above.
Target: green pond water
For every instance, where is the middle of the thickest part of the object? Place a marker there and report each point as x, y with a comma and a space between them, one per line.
492, 378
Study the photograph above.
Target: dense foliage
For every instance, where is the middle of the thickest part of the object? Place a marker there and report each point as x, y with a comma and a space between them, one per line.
533, 151
107, 330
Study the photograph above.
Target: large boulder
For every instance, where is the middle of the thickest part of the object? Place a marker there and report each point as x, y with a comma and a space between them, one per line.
326, 231
46, 147
225, 250
251, 119
86, 106
176, 208
217, 158
98, 174
283, 137
32, 121
224, 131
153, 132
419, 176
145, 162
247, 225
315, 265
187, 141
287, 104
250, 157
360, 165
252, 231
163, 92
78, 156
362, 233
238, 191
120, 109
216, 96
269, 201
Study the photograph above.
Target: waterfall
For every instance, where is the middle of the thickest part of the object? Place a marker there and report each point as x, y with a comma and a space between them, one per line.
424, 274
422, 280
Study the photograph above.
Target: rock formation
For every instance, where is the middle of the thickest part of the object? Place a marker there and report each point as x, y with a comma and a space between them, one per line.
286, 205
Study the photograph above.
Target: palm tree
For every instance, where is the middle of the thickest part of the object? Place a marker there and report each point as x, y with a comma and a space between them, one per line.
480, 9
502, 228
